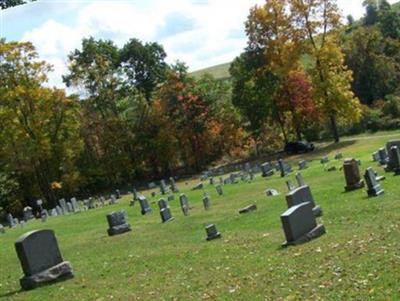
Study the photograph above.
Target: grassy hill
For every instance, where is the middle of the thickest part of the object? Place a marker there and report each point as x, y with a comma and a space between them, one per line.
219, 71
356, 260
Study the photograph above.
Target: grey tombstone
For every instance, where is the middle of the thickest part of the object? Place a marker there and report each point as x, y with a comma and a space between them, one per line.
2, 229
290, 185
39, 203
69, 207
212, 232
206, 202
324, 160
284, 168
22, 223
383, 157
117, 223
43, 216
375, 157
117, 194
166, 215
144, 205
394, 163
134, 194
41, 259
227, 181
267, 169
198, 186
163, 187
173, 185
113, 199
352, 175
74, 203
63, 205
338, 156
184, 202
219, 190
248, 209
300, 180
302, 164
59, 210
392, 160
152, 185
373, 187
28, 213
299, 224
271, 192
162, 203
10, 220
302, 195
53, 212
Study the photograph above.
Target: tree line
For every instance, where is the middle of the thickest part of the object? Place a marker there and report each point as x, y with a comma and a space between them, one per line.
132, 117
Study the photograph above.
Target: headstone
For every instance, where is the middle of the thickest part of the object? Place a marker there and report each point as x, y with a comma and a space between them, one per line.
163, 187
10, 220
375, 157
391, 161
63, 205
75, 206
219, 190
352, 175
171, 197
283, 168
183, 200
41, 260
198, 186
299, 224
290, 185
117, 223
162, 203
394, 163
248, 209
300, 180
206, 202
165, 214
144, 205
302, 164
22, 223
53, 212
373, 187
271, 192
117, 194
338, 156
302, 195
212, 232
174, 187
43, 216
69, 207
28, 213
152, 185
227, 181
383, 157
59, 210
267, 169
39, 203
324, 160
134, 194
113, 199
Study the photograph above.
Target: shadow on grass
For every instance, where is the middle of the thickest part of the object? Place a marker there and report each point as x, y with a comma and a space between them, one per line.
322, 150
7, 295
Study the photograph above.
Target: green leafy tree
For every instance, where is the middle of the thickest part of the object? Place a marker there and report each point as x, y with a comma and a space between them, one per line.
11, 3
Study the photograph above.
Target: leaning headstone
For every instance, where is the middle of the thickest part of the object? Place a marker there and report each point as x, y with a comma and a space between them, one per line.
41, 259
183, 200
352, 175
28, 213
391, 161
144, 205
165, 214
394, 163
302, 195
198, 186
162, 203
383, 157
271, 192
219, 190
212, 232
290, 185
248, 209
117, 223
324, 160
39, 203
10, 220
206, 202
302, 164
300, 180
267, 169
299, 225
373, 187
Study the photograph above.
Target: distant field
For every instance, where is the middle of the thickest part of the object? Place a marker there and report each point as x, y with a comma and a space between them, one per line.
357, 259
218, 71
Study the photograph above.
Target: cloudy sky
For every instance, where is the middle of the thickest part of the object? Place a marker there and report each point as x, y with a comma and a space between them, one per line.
201, 33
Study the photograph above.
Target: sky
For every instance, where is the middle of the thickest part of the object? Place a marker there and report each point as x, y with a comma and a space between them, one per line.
201, 33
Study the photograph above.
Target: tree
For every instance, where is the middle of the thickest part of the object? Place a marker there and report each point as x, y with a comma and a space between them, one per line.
371, 12
39, 127
331, 79
11, 3
389, 21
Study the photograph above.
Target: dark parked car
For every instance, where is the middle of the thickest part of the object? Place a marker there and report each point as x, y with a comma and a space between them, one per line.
297, 147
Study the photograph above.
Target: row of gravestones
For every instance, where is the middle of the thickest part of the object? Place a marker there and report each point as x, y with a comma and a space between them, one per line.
42, 262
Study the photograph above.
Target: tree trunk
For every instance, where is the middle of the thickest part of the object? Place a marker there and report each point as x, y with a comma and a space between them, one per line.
334, 128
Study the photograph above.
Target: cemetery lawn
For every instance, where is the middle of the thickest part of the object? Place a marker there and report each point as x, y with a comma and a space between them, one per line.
357, 259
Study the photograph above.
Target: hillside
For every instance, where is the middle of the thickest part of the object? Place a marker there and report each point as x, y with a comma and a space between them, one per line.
219, 71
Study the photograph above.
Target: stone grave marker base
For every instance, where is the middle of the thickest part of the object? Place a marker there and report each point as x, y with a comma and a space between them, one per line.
355, 186
119, 229
314, 233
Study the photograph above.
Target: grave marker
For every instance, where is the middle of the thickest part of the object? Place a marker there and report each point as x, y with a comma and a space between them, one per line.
248, 209
144, 205
212, 232
352, 175
165, 214
184, 204
117, 223
302, 195
373, 187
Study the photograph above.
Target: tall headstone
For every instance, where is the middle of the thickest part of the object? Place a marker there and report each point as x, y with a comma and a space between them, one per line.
144, 205
69, 207
10, 220
75, 206
174, 187
300, 180
391, 161
41, 259
206, 202
267, 169
383, 157
352, 175
166, 215
219, 190
302, 195
299, 224
113, 199
394, 162
162, 203
373, 187
183, 200
283, 168
163, 187
212, 232
117, 223
59, 210
63, 205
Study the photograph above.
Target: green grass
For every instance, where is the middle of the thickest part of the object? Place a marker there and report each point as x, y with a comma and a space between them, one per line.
358, 258
220, 72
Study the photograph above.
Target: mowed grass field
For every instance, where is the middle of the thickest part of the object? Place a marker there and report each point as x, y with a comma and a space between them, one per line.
357, 259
